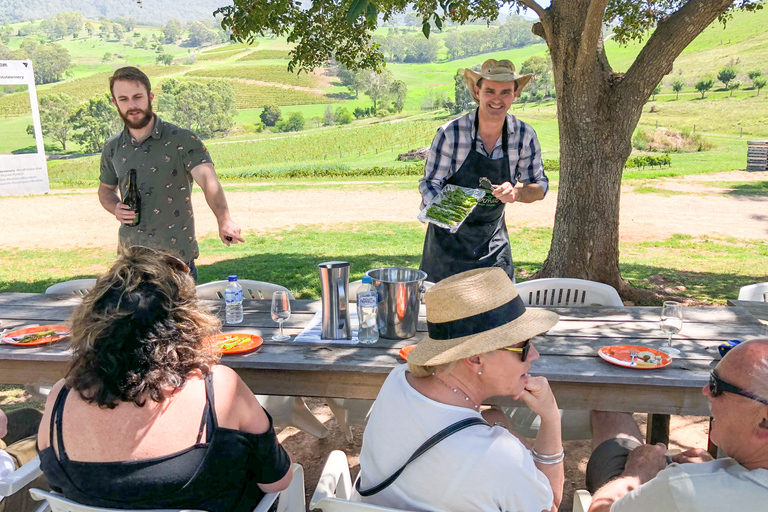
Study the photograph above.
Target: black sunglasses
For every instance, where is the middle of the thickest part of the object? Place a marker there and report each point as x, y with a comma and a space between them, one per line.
523, 350
718, 386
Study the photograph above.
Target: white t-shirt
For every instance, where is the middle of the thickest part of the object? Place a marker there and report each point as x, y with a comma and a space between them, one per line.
7, 465
721, 484
480, 468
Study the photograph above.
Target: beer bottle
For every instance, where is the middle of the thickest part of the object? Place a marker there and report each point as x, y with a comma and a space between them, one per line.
133, 198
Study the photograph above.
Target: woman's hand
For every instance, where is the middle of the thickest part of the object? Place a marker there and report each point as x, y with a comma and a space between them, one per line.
692, 455
538, 396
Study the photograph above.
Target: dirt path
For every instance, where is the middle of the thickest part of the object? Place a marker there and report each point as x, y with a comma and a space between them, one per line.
75, 218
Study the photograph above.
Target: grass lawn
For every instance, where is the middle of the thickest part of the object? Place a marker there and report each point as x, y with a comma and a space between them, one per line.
705, 269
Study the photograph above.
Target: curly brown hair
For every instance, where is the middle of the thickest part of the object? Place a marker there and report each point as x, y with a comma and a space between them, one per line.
139, 331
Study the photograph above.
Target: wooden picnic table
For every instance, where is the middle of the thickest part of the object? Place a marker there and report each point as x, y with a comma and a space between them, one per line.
757, 309
578, 377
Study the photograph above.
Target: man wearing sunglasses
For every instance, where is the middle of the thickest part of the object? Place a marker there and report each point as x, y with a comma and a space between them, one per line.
738, 396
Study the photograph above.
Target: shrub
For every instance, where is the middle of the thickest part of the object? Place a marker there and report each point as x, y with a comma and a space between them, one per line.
270, 115
666, 140
326, 172
342, 116
295, 123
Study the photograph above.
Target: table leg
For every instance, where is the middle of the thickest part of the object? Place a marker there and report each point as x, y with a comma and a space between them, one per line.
658, 429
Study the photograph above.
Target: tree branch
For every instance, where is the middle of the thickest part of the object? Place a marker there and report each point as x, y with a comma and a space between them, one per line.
543, 29
593, 30
539, 10
672, 35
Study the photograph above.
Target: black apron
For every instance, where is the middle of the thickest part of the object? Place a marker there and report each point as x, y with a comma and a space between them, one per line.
482, 240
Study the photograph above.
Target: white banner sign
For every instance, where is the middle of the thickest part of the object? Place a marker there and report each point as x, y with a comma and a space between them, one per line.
26, 173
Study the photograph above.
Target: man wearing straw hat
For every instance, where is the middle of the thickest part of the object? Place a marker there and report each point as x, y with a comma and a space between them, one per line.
487, 143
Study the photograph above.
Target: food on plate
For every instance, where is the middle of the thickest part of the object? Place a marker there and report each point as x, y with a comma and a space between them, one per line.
34, 336
234, 341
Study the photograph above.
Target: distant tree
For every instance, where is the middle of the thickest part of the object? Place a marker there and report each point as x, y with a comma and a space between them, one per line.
328, 116
656, 91
342, 116
127, 23
107, 57
105, 29
206, 109
165, 58
55, 117
377, 87
54, 28
704, 84
118, 31
755, 73
759, 82
200, 35
732, 86
462, 96
172, 31
677, 86
294, 123
453, 44
98, 120
270, 115
727, 74
354, 80
50, 61
89, 29
537, 64
398, 91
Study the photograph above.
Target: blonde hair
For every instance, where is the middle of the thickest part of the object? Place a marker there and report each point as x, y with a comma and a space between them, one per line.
139, 331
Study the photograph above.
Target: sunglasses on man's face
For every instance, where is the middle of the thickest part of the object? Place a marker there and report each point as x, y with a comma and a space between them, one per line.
523, 350
718, 386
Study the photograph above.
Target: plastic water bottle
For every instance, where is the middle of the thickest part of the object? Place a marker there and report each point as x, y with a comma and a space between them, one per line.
233, 298
367, 307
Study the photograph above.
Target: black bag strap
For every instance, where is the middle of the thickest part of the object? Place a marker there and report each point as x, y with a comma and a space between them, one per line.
429, 443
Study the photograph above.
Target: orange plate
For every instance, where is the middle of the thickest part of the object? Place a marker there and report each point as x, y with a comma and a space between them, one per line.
405, 351
619, 355
40, 341
247, 346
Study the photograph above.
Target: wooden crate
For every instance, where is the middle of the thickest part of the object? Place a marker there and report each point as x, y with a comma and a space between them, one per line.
757, 155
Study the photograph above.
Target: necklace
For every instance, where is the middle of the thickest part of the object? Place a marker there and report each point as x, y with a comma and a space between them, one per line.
457, 391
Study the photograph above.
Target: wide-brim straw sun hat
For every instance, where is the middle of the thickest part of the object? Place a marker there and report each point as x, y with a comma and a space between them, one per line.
495, 71
472, 313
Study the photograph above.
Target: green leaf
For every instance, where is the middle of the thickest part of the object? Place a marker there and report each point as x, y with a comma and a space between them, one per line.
425, 29
356, 8
372, 13
438, 22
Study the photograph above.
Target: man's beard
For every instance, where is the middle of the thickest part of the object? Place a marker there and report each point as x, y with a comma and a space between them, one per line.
142, 122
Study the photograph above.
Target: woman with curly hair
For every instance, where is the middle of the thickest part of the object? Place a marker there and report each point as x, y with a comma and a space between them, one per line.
135, 424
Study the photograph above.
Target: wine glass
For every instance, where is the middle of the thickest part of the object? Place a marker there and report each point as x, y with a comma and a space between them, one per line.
671, 322
281, 311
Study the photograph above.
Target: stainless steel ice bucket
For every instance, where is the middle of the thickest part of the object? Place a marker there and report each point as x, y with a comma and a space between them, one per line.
400, 290
334, 284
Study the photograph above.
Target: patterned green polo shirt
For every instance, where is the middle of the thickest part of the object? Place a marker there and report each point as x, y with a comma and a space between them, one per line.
163, 162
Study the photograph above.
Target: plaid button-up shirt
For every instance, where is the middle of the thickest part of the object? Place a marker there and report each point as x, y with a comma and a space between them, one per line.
453, 142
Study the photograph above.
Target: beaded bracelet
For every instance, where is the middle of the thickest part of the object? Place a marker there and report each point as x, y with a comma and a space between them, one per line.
555, 458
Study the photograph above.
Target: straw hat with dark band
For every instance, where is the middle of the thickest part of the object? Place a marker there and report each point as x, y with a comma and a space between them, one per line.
472, 313
495, 71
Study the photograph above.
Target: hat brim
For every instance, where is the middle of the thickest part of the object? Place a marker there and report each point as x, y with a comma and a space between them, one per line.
471, 78
432, 352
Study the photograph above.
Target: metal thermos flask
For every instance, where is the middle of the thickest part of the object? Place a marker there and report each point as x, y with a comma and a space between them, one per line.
334, 284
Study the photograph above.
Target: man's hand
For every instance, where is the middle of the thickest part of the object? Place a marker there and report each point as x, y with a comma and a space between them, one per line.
644, 462
123, 213
506, 192
229, 232
692, 455
538, 396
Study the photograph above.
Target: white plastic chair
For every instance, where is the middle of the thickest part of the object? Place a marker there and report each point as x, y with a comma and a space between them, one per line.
564, 292
756, 292
73, 287
251, 289
582, 500
567, 292
20, 478
334, 489
291, 499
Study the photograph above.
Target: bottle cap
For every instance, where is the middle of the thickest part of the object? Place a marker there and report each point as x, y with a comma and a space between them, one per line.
232, 278
366, 279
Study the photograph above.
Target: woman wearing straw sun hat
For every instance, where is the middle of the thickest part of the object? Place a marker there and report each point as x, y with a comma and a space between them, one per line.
486, 143
428, 412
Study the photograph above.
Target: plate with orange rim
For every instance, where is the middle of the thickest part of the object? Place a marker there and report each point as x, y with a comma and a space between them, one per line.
647, 358
235, 342
406, 350
15, 337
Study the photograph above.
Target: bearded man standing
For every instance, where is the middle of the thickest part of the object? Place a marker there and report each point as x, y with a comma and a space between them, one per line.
487, 145
167, 159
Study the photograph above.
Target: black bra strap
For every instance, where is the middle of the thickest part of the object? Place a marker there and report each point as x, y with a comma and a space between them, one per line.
210, 405
57, 416
429, 443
